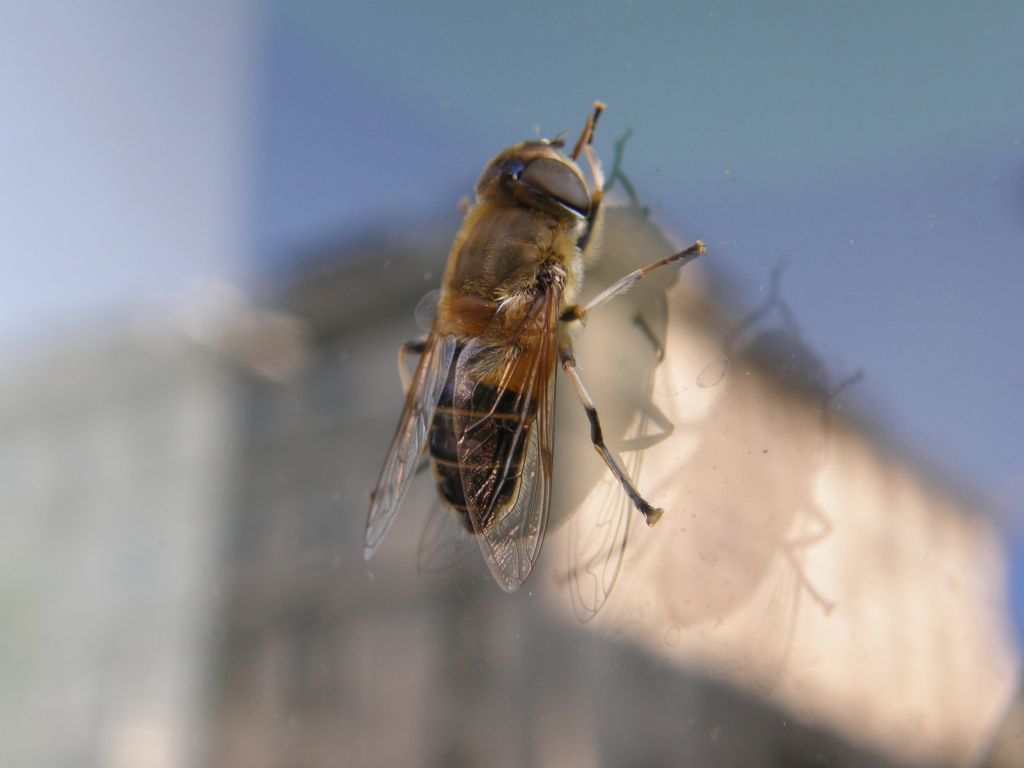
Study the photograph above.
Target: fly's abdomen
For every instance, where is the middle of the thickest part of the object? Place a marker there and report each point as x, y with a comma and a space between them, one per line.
444, 453
492, 425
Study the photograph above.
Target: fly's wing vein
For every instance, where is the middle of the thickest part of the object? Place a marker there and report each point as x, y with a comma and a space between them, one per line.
598, 535
407, 444
444, 542
503, 399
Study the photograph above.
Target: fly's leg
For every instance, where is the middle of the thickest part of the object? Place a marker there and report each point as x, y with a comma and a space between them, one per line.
587, 134
408, 348
685, 256
792, 547
583, 144
854, 378
617, 174
649, 411
651, 514
645, 329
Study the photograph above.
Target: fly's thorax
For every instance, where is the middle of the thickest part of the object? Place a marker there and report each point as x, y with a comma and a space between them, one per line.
497, 263
531, 212
494, 323
501, 245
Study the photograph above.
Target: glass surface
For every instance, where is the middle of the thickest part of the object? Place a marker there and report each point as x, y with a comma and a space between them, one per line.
217, 224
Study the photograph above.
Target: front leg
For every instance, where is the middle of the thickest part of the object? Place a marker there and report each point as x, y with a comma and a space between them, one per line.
576, 312
584, 144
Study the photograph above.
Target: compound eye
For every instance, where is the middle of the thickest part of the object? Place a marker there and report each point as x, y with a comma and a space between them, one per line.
515, 170
558, 180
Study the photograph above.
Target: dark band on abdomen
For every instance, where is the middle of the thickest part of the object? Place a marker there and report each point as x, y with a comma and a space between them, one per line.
503, 424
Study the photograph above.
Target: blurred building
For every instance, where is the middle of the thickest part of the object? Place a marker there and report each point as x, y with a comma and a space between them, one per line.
813, 596
118, 454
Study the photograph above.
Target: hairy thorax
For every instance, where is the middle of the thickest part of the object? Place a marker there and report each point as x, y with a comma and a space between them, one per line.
499, 261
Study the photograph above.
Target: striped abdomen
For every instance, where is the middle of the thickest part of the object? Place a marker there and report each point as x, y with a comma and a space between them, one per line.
494, 440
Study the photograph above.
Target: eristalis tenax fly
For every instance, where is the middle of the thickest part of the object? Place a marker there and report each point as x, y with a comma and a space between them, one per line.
481, 400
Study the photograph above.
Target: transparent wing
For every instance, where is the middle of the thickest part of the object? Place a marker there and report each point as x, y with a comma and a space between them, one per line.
426, 310
503, 401
407, 445
444, 543
598, 535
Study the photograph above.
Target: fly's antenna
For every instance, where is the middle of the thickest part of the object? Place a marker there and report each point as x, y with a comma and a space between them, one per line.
558, 142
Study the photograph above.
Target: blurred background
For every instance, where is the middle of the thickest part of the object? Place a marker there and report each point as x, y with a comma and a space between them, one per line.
216, 221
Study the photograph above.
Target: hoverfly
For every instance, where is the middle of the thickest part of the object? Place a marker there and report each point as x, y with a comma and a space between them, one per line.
482, 397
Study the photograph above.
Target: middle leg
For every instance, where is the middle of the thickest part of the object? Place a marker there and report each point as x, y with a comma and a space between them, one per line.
651, 514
